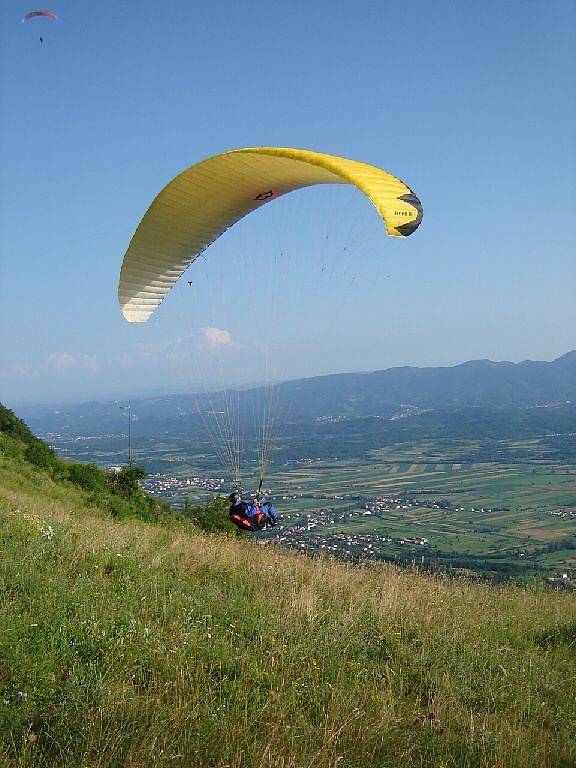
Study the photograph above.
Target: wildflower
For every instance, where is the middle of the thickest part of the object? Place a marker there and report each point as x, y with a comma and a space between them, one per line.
47, 532
22, 695
443, 730
433, 715
418, 720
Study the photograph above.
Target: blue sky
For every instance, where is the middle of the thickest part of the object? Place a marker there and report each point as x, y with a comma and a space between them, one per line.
473, 105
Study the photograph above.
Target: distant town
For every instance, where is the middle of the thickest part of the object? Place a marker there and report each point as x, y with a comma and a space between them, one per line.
170, 487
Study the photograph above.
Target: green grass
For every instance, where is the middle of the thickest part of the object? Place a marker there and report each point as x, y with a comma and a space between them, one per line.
126, 643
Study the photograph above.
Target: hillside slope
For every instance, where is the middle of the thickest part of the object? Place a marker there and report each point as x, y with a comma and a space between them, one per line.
131, 643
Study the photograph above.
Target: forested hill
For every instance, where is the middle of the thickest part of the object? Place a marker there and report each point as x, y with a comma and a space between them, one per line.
476, 383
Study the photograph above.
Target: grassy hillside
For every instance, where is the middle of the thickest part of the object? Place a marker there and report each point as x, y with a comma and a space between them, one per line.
127, 642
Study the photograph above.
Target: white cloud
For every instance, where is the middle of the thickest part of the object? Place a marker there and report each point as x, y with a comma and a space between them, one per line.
64, 360
184, 339
21, 371
179, 350
214, 338
60, 360
55, 364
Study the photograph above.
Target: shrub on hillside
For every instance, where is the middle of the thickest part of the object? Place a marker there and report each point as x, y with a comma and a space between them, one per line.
211, 517
13, 426
115, 505
12, 448
87, 476
126, 481
21, 442
40, 455
125, 498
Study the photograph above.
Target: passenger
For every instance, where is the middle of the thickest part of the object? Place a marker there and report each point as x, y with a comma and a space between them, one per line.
251, 517
264, 512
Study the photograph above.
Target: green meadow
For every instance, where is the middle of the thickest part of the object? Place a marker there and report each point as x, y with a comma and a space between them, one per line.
133, 643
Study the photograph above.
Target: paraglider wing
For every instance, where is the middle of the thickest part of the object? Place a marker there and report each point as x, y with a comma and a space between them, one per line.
33, 14
196, 207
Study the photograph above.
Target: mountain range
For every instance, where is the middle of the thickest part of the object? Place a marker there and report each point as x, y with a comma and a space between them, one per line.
390, 393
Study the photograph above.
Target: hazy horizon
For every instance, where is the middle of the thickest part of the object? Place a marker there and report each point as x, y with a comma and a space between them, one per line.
150, 391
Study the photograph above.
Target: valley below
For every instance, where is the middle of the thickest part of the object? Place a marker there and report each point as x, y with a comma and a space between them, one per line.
499, 508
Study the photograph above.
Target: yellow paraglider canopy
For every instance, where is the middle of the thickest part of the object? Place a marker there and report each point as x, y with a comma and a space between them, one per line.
196, 207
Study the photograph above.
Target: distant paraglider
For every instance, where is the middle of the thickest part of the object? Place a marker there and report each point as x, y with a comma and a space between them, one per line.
35, 14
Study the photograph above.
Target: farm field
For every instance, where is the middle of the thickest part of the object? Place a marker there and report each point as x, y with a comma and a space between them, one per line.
515, 518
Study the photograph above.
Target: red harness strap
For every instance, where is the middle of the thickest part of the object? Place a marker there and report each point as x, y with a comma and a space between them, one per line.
261, 518
241, 521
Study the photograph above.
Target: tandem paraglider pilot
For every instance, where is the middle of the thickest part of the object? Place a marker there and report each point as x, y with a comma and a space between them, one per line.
253, 516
